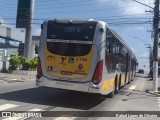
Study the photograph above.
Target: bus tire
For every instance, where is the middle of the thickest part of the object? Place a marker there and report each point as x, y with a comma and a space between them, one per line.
111, 94
119, 84
116, 86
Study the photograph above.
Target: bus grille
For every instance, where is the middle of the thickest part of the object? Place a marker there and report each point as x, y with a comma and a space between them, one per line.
68, 49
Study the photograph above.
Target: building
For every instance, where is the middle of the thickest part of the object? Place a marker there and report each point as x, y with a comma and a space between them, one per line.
10, 38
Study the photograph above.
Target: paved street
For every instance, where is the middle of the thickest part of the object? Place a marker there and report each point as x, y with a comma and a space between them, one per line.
22, 95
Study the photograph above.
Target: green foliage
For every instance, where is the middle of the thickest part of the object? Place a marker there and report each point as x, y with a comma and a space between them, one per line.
26, 65
33, 63
17, 61
14, 62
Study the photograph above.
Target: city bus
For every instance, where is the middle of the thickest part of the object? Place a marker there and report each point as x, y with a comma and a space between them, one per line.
83, 55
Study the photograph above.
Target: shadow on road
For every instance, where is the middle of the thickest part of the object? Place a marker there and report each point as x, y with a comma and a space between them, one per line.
54, 97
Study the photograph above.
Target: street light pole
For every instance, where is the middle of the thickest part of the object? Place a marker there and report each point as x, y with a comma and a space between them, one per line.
156, 38
155, 48
28, 37
150, 58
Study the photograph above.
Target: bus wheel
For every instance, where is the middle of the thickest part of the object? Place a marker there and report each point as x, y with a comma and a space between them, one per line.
110, 95
129, 81
116, 86
119, 84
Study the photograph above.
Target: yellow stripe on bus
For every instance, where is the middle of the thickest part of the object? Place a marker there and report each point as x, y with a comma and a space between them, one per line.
107, 84
122, 79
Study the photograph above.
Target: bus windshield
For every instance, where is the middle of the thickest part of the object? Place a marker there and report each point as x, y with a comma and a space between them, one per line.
71, 31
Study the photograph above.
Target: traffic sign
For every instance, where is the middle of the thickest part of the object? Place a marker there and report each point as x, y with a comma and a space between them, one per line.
23, 13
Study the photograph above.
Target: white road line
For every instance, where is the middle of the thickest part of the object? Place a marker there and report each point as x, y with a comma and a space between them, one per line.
13, 118
36, 109
13, 79
132, 87
65, 118
7, 106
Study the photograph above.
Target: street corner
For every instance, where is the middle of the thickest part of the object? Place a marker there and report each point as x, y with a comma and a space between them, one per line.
156, 93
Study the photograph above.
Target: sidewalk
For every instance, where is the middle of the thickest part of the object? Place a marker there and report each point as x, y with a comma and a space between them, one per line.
149, 86
17, 76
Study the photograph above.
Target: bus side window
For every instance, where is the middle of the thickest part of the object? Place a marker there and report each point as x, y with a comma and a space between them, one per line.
107, 44
109, 37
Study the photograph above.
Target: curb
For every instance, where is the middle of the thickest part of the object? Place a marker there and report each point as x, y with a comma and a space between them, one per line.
14, 79
153, 92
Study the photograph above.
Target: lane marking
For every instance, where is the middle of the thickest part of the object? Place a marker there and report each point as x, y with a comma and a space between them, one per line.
13, 79
132, 87
7, 106
36, 109
13, 118
65, 118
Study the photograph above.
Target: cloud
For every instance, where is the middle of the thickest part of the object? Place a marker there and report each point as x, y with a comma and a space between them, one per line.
5, 23
37, 32
2, 20
133, 49
140, 28
129, 7
103, 1
145, 54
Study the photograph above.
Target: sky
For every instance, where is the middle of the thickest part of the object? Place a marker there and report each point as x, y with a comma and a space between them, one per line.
131, 20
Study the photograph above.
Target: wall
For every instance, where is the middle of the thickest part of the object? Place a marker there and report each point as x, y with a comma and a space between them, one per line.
12, 33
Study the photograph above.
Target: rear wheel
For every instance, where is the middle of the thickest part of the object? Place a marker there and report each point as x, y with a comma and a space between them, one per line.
129, 81
110, 95
116, 86
119, 84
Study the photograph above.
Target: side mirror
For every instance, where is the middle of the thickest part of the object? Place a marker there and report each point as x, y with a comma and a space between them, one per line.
42, 26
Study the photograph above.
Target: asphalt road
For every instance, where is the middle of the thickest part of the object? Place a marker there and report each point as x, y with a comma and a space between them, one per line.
23, 95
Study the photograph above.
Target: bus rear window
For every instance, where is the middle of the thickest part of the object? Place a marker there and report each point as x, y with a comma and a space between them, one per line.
71, 31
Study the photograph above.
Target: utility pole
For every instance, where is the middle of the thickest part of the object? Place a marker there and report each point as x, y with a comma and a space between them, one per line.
28, 37
150, 58
155, 47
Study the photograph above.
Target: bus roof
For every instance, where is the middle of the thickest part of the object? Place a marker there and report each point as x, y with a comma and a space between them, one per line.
72, 20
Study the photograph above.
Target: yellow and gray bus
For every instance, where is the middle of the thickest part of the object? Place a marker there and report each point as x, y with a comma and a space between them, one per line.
83, 55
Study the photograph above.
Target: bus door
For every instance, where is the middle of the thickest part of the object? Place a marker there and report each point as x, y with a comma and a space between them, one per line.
127, 63
129, 68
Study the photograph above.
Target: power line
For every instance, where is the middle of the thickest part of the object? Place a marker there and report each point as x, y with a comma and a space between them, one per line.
66, 6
